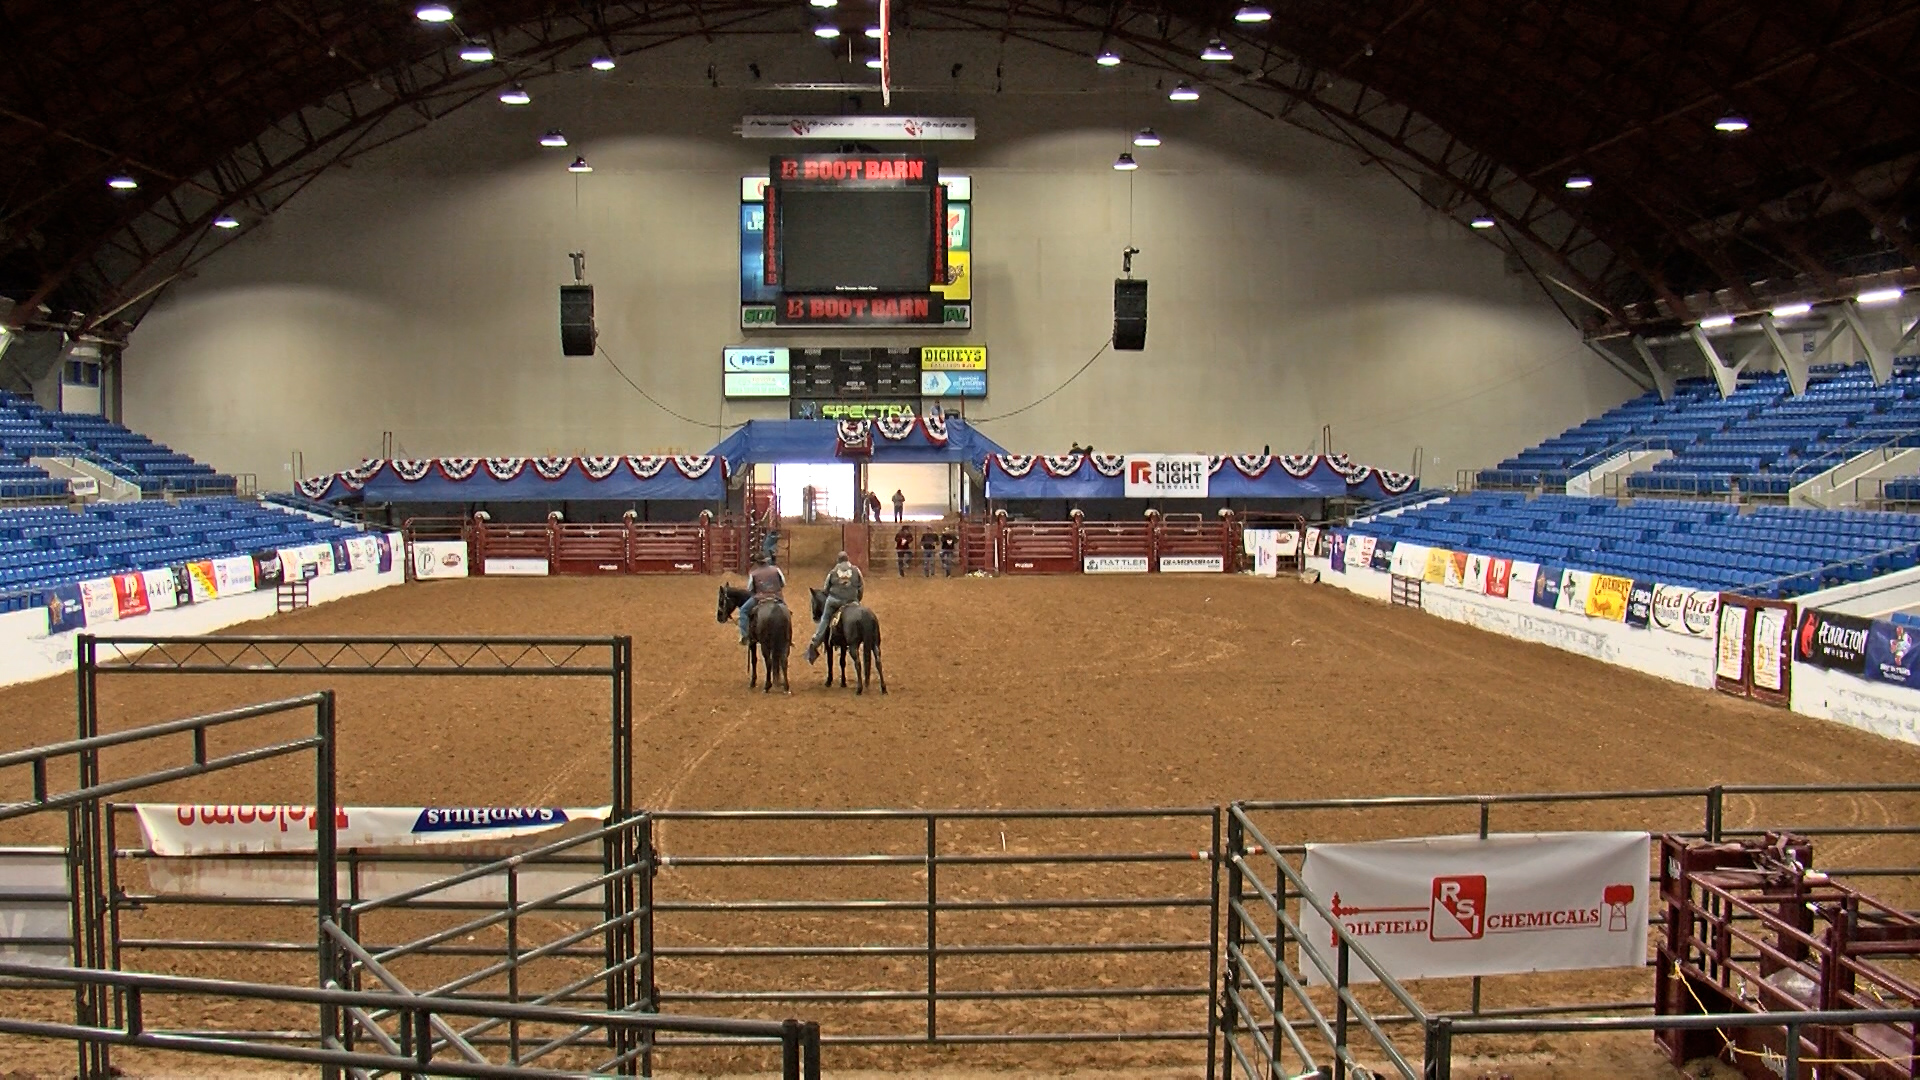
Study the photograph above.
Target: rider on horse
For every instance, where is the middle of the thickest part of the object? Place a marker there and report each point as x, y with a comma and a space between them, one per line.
845, 585
763, 584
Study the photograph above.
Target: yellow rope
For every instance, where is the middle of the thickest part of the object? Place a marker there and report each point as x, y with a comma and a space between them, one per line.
1736, 1050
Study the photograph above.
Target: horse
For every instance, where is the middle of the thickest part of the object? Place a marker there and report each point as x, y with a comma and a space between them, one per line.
769, 634
858, 628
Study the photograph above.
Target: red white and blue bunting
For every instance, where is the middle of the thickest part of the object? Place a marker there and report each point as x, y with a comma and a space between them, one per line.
1108, 464
507, 469
853, 438
1253, 467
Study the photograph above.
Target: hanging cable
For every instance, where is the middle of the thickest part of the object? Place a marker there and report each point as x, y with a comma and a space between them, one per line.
601, 349
1102, 351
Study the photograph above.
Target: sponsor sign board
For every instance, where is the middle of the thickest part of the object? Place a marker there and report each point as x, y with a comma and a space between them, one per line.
1607, 597
953, 358
1830, 640
1730, 659
516, 568
1382, 556
65, 609
1640, 605
1360, 551
174, 830
439, 559
858, 127
1505, 904
129, 595
1166, 476
1521, 583
756, 384
1115, 564
1771, 649
953, 383
1499, 577
1190, 564
1439, 562
747, 359
1893, 653
101, 601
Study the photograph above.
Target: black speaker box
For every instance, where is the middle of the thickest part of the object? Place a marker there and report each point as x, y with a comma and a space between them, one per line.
1129, 314
576, 320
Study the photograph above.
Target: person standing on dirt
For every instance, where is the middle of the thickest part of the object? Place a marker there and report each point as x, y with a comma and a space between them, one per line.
845, 585
873, 506
899, 506
929, 543
903, 548
949, 547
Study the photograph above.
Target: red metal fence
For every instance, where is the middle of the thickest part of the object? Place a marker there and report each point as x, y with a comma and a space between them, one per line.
625, 547
1185, 543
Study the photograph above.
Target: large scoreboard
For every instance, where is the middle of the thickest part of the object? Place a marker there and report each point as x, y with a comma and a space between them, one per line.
856, 373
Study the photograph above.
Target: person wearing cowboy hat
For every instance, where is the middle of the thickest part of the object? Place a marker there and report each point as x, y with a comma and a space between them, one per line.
845, 585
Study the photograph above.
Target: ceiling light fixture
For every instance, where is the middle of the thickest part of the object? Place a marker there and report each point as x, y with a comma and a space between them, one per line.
1788, 311
1107, 58
824, 3
1146, 137
1880, 296
1252, 14
122, 183
1125, 163
555, 138
873, 33
1183, 92
226, 221
476, 53
579, 166
1579, 182
1715, 322
516, 95
1482, 222
1216, 51
827, 32
433, 13
1731, 124
601, 63
873, 63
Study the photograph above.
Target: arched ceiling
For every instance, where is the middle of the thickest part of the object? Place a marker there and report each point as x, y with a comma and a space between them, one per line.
1481, 107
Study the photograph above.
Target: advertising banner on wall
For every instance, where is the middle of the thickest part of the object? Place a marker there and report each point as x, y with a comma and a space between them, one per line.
1640, 605
1499, 577
101, 601
1167, 476
1546, 587
1833, 641
1574, 587
1438, 560
129, 595
183, 829
516, 568
1360, 551
65, 609
1607, 597
1730, 652
1891, 653
1521, 583
1506, 904
1772, 650
439, 559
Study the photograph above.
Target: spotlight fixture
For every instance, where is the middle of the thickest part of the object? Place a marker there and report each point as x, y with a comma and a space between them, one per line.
122, 183
474, 52
1146, 137
1216, 51
433, 13
516, 95
873, 63
1252, 14
1183, 92
1579, 182
826, 32
1125, 163
824, 3
601, 63
226, 221
1789, 311
579, 166
1107, 58
1482, 222
1731, 123
554, 138
1715, 322
1880, 296
873, 33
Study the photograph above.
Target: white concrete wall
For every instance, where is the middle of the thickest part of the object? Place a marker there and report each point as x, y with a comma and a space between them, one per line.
1291, 286
1882, 708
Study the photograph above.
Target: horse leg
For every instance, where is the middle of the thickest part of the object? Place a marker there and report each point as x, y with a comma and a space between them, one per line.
881, 668
753, 664
843, 665
785, 655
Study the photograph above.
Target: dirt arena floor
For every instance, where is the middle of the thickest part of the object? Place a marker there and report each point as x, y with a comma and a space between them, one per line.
1013, 693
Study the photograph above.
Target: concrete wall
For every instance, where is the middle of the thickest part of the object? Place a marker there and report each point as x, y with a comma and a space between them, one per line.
1292, 286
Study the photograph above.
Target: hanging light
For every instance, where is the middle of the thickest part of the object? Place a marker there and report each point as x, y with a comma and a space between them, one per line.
1125, 163
474, 52
579, 166
1183, 92
1731, 124
824, 3
601, 63
1579, 182
873, 63
1482, 222
516, 95
1879, 296
122, 183
826, 32
1252, 14
873, 33
1790, 311
1715, 322
1107, 58
226, 221
433, 13
1216, 51
1146, 137
554, 138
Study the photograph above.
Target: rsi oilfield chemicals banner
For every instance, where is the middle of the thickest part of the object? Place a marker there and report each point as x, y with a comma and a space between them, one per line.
1461, 905
1167, 476
181, 830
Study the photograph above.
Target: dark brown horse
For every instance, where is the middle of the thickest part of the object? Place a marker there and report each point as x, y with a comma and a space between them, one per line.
857, 629
769, 634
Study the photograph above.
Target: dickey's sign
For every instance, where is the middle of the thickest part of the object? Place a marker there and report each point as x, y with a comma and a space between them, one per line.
1167, 476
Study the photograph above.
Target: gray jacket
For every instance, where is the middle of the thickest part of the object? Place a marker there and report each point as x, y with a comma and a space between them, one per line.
844, 582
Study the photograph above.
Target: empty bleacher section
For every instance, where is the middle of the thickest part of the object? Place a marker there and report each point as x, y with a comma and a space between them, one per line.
1772, 552
1760, 440
27, 431
44, 547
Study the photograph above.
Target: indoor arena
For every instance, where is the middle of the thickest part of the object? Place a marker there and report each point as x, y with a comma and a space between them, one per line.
588, 538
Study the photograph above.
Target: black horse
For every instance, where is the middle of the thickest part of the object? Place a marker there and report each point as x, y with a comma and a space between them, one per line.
857, 629
769, 634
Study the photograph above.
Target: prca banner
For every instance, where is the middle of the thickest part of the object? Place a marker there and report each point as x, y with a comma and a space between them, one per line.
1640, 605
1506, 904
